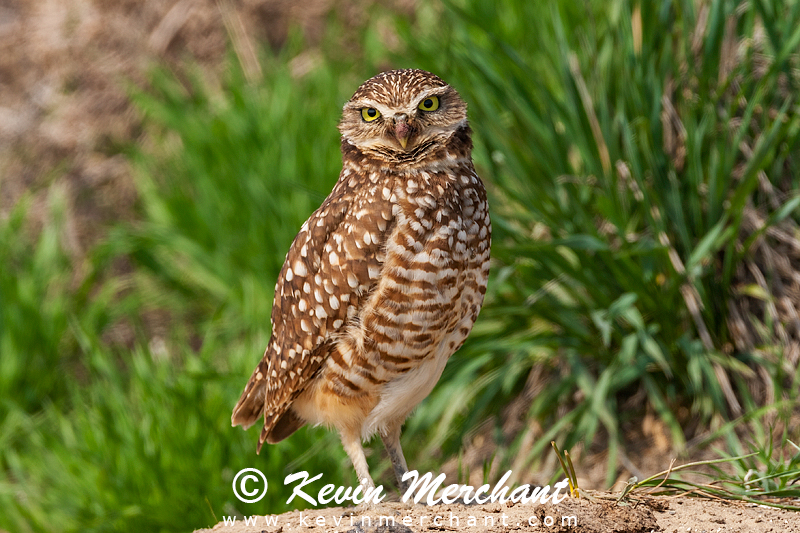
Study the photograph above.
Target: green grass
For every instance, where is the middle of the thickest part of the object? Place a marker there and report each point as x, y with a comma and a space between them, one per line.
121, 439
98, 436
621, 164
765, 476
617, 246
34, 272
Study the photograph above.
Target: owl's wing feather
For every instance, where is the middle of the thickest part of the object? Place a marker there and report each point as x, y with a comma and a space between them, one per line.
331, 267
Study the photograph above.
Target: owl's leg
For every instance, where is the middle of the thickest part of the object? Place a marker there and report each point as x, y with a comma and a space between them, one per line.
351, 440
391, 440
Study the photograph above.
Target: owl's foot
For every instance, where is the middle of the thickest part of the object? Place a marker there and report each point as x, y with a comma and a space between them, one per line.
364, 507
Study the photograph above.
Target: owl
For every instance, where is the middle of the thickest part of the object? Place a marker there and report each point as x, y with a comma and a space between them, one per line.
384, 281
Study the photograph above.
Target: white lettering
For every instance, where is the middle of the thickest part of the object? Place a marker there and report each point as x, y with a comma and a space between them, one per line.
426, 486
500, 490
558, 486
421, 488
323, 494
341, 498
537, 492
519, 493
374, 495
482, 489
448, 491
297, 491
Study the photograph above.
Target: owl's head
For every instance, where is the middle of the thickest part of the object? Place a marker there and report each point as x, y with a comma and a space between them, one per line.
404, 116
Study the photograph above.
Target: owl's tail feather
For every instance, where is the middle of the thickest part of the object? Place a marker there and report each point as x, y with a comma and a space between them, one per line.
250, 406
276, 430
278, 423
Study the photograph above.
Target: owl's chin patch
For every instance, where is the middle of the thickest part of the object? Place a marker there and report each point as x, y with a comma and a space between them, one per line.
385, 145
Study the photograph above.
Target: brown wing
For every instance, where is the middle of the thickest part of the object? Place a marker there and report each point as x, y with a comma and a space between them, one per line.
332, 265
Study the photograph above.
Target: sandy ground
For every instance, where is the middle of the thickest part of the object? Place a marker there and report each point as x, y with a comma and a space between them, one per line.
671, 515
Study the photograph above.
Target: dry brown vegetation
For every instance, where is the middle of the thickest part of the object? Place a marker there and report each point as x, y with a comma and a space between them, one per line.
65, 67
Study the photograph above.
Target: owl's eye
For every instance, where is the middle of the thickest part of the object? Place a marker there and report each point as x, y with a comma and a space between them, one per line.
430, 104
369, 114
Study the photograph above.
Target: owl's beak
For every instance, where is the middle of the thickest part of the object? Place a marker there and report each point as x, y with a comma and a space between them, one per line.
401, 129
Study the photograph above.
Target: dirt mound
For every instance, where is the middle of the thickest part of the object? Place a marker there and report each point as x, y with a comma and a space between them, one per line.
671, 515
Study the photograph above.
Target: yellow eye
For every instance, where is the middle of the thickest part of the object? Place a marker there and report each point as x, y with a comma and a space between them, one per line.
430, 104
369, 114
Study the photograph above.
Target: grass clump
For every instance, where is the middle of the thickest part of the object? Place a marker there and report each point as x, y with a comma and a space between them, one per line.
759, 477
628, 145
35, 282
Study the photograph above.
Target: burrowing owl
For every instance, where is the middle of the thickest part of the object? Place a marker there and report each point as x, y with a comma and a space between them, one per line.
385, 280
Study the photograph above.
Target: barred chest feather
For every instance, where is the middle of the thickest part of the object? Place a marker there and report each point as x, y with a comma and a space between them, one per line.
430, 277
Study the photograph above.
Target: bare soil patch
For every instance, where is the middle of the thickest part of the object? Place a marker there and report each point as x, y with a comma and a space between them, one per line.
670, 515
66, 67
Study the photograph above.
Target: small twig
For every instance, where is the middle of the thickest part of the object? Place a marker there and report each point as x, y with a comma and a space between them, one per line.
666, 476
690, 465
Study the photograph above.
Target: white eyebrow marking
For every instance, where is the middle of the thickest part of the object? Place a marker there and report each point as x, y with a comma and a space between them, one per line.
435, 91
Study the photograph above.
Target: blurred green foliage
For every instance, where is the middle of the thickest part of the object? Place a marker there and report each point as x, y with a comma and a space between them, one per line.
101, 437
623, 147
620, 145
32, 273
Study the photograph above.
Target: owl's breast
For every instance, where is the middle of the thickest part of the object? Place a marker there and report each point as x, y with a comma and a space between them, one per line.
434, 274
431, 290
426, 297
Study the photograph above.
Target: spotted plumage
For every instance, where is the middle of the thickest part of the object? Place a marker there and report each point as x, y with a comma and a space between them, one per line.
384, 281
